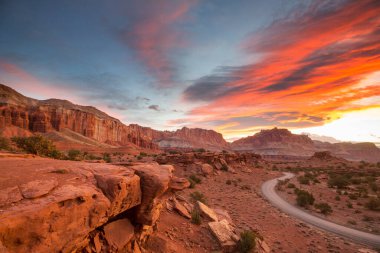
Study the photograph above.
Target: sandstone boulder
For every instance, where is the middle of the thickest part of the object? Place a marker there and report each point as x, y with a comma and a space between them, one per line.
181, 209
121, 187
37, 188
179, 184
119, 233
224, 233
206, 212
155, 181
10, 195
206, 169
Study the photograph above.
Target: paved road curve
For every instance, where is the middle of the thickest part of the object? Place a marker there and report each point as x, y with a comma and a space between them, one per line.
268, 190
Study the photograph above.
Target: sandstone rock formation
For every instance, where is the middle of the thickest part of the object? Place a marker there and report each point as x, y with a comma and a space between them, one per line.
43, 116
187, 138
88, 208
276, 142
280, 142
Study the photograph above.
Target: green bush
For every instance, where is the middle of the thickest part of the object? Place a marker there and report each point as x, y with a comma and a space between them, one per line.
373, 204
192, 183
107, 157
4, 143
304, 198
247, 242
324, 208
338, 181
224, 167
303, 180
74, 155
337, 198
198, 196
196, 217
37, 145
196, 179
143, 154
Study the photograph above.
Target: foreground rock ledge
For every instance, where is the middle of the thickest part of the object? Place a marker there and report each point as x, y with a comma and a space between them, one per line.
79, 207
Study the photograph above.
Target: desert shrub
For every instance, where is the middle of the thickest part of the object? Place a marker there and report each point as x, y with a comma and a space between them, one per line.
373, 204
337, 198
139, 157
291, 185
373, 186
324, 208
355, 180
4, 143
351, 222
60, 171
367, 218
353, 196
303, 180
247, 241
107, 157
143, 154
304, 198
198, 196
173, 152
73, 154
228, 182
339, 181
224, 167
196, 217
92, 157
192, 183
349, 205
196, 179
37, 145
200, 150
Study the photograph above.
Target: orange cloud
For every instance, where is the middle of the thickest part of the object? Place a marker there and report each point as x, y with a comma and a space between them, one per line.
311, 63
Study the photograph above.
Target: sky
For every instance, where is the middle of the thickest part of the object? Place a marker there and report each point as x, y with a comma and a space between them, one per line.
312, 66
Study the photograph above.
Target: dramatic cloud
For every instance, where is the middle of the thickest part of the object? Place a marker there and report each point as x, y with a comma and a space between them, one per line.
153, 36
311, 62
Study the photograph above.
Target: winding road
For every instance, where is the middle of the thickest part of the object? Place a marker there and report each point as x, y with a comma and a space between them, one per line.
269, 192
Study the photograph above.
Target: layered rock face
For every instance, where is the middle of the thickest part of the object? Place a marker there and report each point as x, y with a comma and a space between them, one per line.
55, 115
43, 116
187, 138
281, 142
77, 207
276, 142
351, 151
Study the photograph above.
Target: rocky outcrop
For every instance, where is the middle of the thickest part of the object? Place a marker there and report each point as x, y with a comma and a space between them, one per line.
83, 208
43, 116
351, 151
276, 142
155, 181
191, 138
281, 142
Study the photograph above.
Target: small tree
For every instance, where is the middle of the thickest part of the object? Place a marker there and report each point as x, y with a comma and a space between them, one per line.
73, 154
37, 145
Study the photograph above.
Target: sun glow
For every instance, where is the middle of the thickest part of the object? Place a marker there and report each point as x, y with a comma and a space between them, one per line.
356, 126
